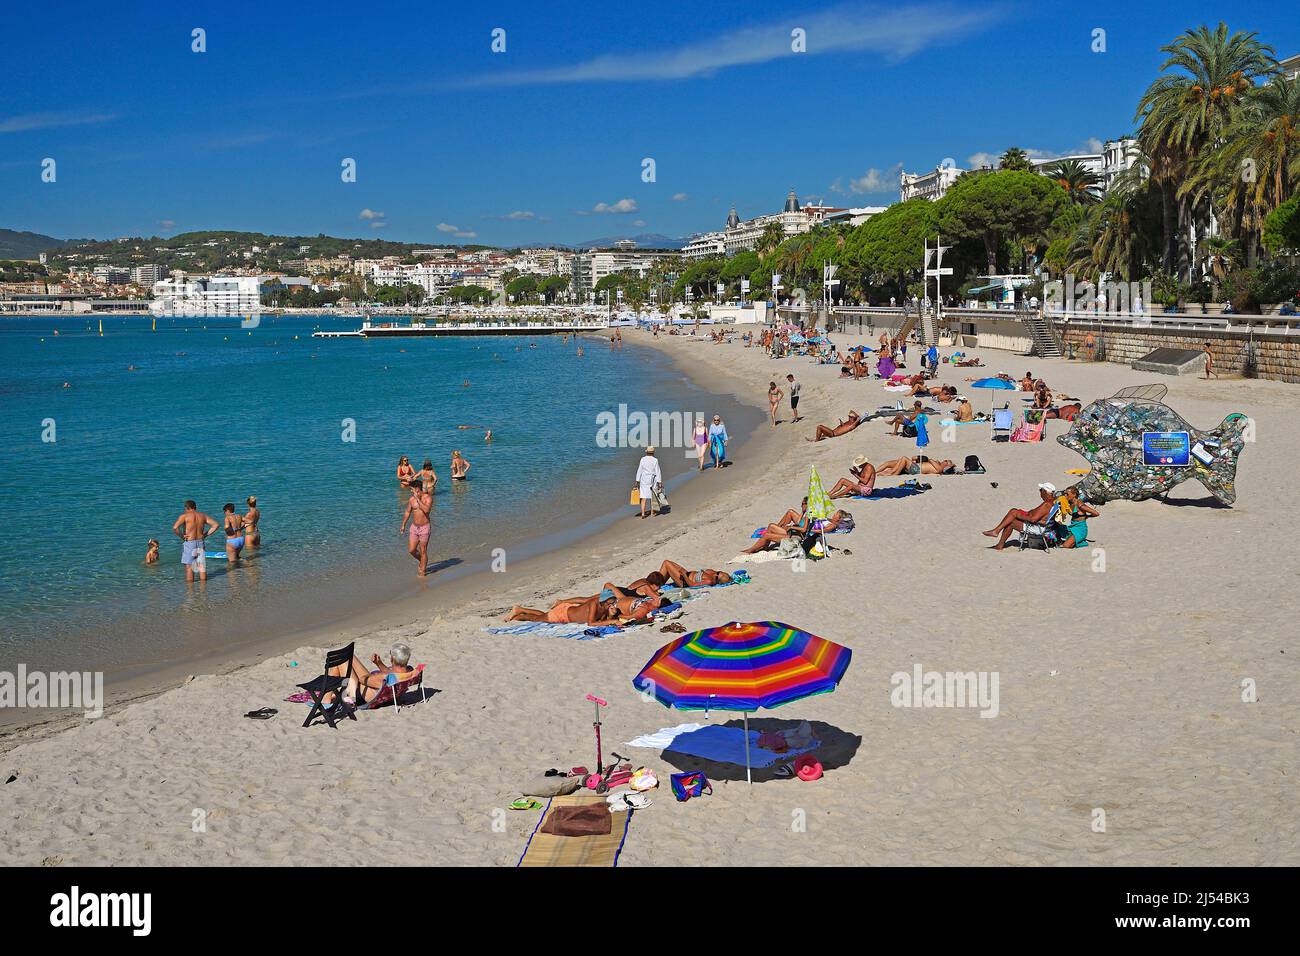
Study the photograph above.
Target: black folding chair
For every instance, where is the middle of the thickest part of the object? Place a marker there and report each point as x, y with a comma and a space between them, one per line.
329, 684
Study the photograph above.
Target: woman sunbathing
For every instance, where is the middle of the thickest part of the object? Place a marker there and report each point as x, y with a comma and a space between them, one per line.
790, 523
706, 577
843, 428
862, 483
367, 683
605, 607
969, 363
917, 466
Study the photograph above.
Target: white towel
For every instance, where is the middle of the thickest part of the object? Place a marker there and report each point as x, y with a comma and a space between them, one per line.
660, 739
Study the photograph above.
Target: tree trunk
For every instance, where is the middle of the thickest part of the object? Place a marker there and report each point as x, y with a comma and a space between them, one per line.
991, 253
1170, 229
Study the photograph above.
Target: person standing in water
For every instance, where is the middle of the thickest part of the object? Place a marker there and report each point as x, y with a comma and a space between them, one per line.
428, 477
252, 536
233, 527
459, 467
192, 527
405, 471
417, 512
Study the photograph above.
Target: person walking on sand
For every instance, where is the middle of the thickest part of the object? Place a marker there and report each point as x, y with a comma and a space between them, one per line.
648, 478
774, 396
718, 439
794, 397
700, 436
1209, 363
417, 512
192, 527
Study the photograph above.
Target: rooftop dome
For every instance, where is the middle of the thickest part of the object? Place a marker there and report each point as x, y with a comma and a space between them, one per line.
791, 202
732, 219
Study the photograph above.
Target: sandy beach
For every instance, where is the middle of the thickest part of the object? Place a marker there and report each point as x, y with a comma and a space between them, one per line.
1121, 690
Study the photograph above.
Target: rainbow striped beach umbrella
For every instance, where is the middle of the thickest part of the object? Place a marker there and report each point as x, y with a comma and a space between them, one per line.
743, 667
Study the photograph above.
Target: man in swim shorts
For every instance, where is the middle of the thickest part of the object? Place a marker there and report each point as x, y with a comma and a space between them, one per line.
192, 527
417, 512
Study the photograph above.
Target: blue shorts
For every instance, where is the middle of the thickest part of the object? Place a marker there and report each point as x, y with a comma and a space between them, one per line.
191, 551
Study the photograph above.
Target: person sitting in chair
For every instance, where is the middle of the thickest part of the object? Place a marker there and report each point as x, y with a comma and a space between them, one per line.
1016, 519
364, 683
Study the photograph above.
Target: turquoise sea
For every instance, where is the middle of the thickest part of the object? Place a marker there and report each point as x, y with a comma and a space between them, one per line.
214, 410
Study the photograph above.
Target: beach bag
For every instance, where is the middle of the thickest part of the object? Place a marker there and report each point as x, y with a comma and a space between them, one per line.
974, 464
636, 495
909, 430
660, 496
692, 783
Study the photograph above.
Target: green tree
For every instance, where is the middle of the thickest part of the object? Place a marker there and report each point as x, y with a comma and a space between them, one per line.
1282, 227
1004, 207
1016, 159
1080, 183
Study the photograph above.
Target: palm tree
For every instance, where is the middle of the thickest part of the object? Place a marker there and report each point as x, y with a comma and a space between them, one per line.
773, 235
1080, 183
1220, 258
1186, 111
1016, 158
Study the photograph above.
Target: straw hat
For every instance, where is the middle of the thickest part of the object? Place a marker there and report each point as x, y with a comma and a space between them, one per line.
649, 449
859, 461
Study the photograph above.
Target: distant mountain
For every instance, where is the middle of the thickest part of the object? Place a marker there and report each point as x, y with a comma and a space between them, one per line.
645, 240
27, 245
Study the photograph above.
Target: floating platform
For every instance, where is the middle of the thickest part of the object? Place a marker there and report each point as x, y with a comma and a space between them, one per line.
388, 330
1172, 362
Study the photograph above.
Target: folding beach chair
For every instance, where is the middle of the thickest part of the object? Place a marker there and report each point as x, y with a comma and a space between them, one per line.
394, 687
1002, 423
1028, 432
329, 684
1041, 537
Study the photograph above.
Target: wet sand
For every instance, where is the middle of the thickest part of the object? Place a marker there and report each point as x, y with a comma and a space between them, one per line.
1120, 668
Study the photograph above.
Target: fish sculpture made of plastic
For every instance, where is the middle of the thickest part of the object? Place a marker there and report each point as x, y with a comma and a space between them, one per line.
1109, 434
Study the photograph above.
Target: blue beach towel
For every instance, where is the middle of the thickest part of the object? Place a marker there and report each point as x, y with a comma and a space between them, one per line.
727, 745
883, 494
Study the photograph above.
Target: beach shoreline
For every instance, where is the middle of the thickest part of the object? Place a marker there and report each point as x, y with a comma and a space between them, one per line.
552, 554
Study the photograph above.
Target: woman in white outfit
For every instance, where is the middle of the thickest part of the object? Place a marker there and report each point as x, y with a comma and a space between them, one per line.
648, 476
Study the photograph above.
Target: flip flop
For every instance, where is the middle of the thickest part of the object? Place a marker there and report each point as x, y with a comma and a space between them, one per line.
525, 803
265, 713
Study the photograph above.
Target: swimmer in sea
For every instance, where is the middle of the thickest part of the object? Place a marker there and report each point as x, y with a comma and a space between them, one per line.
459, 467
427, 477
151, 556
488, 437
233, 527
405, 470
252, 537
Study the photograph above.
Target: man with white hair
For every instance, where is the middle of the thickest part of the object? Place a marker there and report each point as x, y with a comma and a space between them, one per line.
370, 682
1017, 520
648, 478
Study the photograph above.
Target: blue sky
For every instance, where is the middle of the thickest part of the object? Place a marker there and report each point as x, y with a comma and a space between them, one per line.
545, 141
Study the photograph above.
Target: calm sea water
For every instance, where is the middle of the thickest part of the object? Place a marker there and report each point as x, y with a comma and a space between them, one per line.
215, 412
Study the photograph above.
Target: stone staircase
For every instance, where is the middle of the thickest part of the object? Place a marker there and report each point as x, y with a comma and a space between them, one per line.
1042, 335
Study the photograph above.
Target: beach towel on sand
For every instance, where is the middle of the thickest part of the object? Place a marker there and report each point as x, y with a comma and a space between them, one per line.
727, 745
579, 632
546, 849
661, 738
882, 494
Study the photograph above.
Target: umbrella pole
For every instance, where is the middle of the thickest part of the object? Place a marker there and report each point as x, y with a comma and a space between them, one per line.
748, 779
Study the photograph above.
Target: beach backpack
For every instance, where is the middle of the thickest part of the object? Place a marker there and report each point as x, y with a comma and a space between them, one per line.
973, 463
692, 783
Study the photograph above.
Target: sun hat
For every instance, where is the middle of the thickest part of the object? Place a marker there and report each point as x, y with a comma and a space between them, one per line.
859, 461
649, 449
1048, 487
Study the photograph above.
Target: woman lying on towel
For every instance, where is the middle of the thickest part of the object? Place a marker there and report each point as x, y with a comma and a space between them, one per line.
607, 607
919, 465
863, 481
370, 682
704, 578
792, 524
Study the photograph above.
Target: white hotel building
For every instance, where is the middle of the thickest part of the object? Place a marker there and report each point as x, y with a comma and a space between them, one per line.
214, 295
744, 235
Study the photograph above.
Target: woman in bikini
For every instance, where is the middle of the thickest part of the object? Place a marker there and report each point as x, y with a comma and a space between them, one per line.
917, 466
862, 483
233, 526
774, 396
252, 537
459, 467
404, 471
700, 435
428, 477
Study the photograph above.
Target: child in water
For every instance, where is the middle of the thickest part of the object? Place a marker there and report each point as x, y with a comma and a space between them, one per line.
151, 556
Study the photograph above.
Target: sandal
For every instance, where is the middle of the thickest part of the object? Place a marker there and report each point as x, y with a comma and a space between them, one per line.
265, 713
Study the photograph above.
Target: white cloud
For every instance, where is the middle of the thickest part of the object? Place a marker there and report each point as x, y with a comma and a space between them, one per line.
379, 225
33, 121
370, 214
891, 33
1092, 145
872, 181
976, 160
167, 224
456, 231
679, 197
620, 208
518, 215
638, 222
